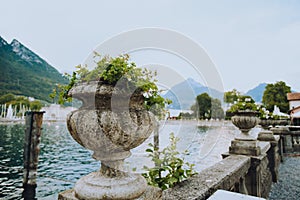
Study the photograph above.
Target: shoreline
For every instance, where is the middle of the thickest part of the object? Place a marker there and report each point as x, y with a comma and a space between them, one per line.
184, 121
22, 121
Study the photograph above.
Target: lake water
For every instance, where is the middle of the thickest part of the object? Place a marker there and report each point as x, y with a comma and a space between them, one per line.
62, 161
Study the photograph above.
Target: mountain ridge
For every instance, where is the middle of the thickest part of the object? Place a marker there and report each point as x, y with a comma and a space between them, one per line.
26, 73
183, 94
257, 92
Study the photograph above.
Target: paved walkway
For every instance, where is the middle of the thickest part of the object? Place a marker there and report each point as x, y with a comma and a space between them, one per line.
288, 186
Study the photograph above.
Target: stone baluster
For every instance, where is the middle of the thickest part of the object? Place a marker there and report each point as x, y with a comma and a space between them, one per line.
242, 186
259, 178
296, 144
284, 133
274, 155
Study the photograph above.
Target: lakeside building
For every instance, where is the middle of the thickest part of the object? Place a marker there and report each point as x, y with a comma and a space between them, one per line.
294, 102
56, 112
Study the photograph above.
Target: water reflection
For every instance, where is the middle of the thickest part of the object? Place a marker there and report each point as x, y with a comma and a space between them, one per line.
11, 155
61, 161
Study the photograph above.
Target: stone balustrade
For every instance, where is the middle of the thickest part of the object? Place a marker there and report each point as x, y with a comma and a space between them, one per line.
246, 174
290, 138
228, 174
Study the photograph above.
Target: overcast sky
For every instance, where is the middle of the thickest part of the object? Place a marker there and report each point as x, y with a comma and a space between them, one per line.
250, 42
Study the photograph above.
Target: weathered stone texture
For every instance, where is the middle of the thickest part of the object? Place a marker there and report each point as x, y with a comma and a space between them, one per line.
111, 121
251, 175
222, 175
273, 153
151, 193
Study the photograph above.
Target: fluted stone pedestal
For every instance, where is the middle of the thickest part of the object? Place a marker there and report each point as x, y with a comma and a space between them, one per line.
244, 147
266, 136
245, 144
151, 193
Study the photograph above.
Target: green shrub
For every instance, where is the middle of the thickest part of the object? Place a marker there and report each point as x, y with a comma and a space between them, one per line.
169, 168
110, 71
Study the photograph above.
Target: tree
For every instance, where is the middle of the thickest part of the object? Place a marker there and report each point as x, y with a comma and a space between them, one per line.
19, 100
207, 107
231, 96
276, 94
36, 105
7, 98
185, 115
217, 111
203, 105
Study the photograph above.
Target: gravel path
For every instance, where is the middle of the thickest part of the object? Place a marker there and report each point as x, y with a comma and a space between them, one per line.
288, 186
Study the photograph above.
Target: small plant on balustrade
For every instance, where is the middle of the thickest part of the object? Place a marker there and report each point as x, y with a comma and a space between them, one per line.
169, 169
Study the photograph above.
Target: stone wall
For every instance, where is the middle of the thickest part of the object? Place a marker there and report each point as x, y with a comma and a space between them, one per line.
290, 139
226, 174
245, 174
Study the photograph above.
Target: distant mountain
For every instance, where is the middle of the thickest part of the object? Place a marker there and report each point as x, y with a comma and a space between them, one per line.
183, 95
257, 92
25, 73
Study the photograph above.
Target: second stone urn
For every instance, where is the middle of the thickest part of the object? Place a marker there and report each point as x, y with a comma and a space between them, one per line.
244, 143
245, 120
111, 121
269, 123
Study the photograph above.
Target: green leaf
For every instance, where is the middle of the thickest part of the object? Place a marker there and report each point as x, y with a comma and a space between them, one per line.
149, 150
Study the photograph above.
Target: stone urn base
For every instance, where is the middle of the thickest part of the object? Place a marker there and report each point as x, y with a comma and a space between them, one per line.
266, 136
245, 144
245, 147
151, 193
97, 186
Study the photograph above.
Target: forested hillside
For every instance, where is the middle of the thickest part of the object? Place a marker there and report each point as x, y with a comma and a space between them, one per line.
24, 73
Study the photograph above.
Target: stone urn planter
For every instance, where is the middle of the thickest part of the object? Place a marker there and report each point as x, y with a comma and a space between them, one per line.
244, 143
111, 121
245, 120
267, 123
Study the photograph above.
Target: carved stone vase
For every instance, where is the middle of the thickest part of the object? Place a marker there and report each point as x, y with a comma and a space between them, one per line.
245, 120
111, 121
266, 123
244, 143
269, 123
